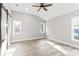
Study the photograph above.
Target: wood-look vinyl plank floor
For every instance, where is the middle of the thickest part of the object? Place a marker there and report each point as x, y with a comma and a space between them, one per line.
40, 47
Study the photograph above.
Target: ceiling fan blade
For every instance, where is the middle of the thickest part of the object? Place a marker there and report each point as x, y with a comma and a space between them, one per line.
39, 9
48, 5
35, 6
44, 8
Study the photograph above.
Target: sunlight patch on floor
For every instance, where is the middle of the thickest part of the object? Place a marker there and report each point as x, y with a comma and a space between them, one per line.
10, 52
57, 47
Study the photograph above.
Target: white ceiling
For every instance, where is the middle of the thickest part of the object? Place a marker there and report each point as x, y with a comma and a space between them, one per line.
56, 10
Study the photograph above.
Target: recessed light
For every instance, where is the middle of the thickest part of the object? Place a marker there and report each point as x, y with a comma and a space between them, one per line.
26, 9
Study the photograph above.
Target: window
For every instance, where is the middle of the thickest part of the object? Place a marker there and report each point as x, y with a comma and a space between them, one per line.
16, 27
42, 27
75, 28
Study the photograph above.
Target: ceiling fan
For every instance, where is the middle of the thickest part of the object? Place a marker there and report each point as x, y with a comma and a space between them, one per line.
42, 5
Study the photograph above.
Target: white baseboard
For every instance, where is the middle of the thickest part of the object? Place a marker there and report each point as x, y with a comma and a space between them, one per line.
27, 39
63, 42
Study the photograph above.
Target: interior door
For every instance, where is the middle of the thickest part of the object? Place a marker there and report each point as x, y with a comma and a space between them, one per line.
4, 30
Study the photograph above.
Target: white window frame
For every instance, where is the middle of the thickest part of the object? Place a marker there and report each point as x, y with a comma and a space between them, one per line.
42, 30
72, 33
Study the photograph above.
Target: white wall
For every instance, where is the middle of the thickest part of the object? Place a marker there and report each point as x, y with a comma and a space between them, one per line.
30, 26
59, 29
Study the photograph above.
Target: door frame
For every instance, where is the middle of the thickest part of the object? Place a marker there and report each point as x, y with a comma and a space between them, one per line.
7, 14
0, 27
3, 40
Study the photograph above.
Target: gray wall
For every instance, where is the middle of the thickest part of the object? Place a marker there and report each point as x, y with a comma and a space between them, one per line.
59, 29
30, 26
